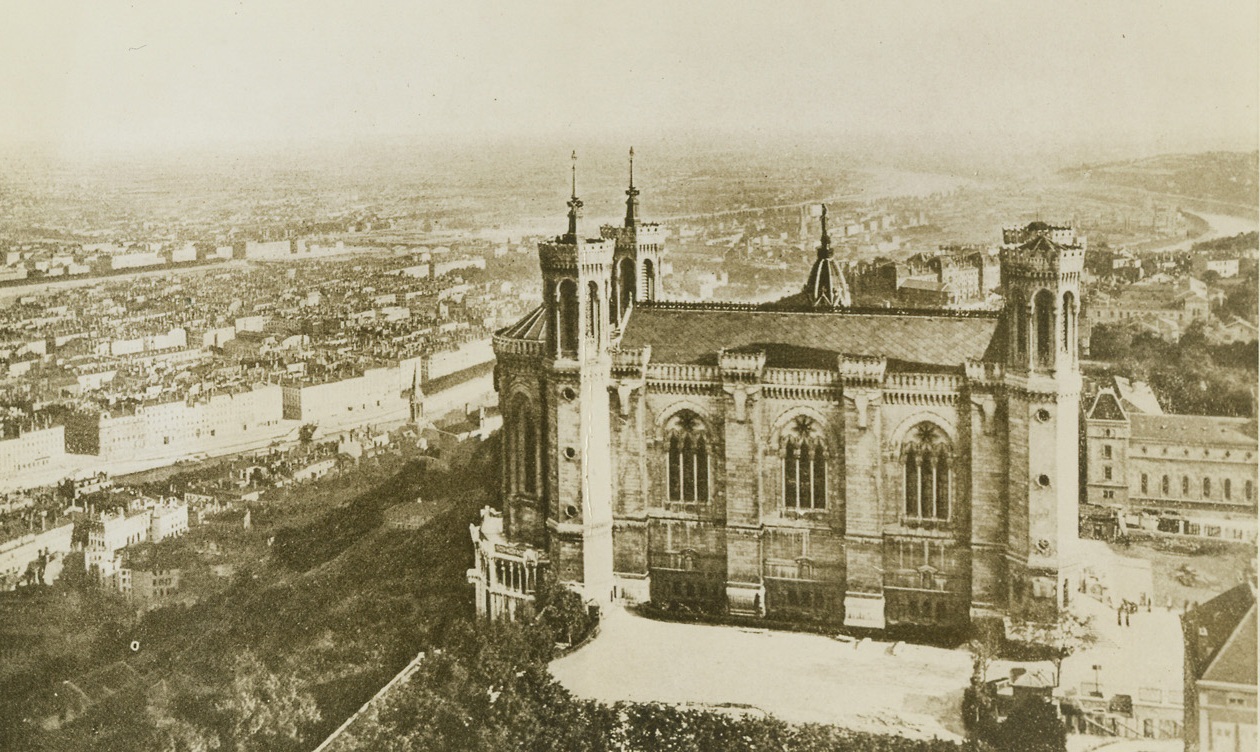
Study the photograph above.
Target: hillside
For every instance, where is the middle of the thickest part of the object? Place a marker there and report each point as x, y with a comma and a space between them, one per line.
1226, 177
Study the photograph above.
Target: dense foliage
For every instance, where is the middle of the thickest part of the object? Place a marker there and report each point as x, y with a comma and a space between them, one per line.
314, 632
1243, 241
296, 644
489, 689
1191, 376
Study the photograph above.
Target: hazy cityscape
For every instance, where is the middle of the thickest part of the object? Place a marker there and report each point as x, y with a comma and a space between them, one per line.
630, 395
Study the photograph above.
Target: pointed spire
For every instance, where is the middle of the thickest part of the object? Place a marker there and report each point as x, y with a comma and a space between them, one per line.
826, 286
824, 250
575, 204
632, 196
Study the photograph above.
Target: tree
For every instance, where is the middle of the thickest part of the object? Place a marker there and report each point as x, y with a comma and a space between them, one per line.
262, 710
1059, 639
180, 736
1111, 342
1032, 726
560, 610
306, 433
979, 710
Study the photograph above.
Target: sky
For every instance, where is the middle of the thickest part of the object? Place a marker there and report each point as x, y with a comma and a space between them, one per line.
192, 73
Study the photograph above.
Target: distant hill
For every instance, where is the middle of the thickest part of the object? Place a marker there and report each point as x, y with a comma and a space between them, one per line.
1225, 176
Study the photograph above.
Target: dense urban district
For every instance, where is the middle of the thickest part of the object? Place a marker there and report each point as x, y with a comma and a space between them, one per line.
248, 419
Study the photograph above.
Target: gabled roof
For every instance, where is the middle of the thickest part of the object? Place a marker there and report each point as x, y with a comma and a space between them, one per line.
1212, 627
695, 334
1235, 662
1137, 396
1107, 407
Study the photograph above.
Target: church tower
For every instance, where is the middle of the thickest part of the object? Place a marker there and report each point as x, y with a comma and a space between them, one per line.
576, 493
636, 268
1041, 277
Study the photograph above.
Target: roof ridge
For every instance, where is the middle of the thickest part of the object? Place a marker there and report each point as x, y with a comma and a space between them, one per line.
1229, 641
724, 306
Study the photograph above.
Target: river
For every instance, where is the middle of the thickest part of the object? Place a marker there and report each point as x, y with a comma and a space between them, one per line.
1219, 226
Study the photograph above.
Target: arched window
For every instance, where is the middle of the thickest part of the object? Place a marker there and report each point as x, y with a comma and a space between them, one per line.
568, 317
1069, 323
592, 311
804, 466
927, 466
1185, 485
1043, 314
1145, 484
1164, 486
1021, 327
687, 467
1207, 488
625, 287
649, 280
553, 329
523, 447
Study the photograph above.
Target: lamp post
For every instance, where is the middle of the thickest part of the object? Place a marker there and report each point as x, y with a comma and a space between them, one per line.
1097, 681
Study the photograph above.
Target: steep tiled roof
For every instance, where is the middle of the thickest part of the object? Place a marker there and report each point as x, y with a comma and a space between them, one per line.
1194, 429
1106, 407
695, 334
1210, 635
1137, 396
1235, 662
1041, 243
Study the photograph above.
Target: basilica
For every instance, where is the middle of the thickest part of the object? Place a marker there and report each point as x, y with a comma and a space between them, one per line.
798, 461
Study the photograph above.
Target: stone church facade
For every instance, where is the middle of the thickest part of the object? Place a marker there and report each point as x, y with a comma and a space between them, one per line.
802, 460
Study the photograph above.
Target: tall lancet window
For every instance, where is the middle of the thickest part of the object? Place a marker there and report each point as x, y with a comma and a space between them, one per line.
592, 311
1043, 313
804, 466
927, 462
568, 317
1069, 324
523, 447
625, 287
687, 466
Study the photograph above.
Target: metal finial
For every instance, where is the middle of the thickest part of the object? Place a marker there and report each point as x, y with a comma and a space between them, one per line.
574, 158
631, 166
824, 250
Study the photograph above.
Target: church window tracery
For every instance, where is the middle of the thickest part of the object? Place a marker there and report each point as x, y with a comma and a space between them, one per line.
804, 467
927, 465
687, 468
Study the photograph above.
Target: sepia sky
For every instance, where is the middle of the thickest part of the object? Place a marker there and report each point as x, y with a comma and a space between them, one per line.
186, 73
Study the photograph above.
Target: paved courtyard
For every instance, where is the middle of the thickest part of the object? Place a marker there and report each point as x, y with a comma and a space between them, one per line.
796, 677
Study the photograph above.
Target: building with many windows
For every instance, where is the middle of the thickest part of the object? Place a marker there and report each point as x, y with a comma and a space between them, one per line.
803, 460
1172, 474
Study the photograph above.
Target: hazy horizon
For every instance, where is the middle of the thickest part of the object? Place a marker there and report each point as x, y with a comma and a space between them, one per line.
1077, 81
